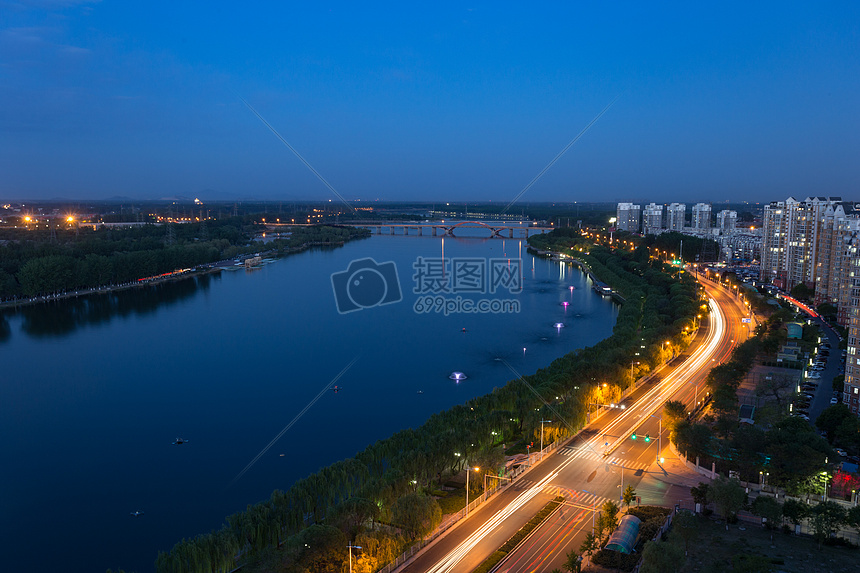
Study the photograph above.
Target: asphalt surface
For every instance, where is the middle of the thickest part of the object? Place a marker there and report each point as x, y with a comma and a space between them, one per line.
590, 469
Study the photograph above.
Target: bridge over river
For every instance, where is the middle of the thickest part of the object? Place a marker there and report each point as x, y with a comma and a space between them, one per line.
494, 228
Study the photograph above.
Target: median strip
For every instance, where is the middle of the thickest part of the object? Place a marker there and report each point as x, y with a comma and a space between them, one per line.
519, 536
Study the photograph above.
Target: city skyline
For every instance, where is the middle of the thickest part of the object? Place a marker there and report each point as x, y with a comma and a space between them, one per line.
104, 100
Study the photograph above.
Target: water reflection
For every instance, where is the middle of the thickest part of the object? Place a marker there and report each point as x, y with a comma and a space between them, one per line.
5, 330
63, 317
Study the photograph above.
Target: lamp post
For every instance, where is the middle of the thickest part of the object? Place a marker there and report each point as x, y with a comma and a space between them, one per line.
468, 469
351, 547
542, 422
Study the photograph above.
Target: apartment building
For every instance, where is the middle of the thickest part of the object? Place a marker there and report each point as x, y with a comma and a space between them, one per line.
628, 217
791, 230
701, 216
675, 215
727, 221
652, 222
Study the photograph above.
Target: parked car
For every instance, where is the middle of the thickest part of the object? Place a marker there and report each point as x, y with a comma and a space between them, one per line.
834, 400
841, 452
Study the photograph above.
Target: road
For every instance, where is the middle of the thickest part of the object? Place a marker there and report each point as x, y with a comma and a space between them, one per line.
590, 469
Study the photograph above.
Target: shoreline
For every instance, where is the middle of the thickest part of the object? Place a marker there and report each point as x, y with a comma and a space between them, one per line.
204, 269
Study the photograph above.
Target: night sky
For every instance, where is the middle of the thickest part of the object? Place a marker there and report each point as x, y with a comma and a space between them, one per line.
716, 101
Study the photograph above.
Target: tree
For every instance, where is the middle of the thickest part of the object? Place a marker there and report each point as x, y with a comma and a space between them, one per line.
416, 514
769, 508
802, 292
573, 564
354, 515
661, 557
686, 526
728, 495
831, 418
674, 411
853, 517
629, 496
795, 511
826, 519
700, 494
591, 544
610, 515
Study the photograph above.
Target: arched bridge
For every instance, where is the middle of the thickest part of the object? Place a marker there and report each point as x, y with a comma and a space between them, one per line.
495, 229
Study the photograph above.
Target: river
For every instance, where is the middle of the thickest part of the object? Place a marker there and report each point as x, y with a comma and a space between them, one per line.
95, 390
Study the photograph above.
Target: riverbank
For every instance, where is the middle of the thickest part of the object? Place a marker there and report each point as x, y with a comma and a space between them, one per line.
180, 274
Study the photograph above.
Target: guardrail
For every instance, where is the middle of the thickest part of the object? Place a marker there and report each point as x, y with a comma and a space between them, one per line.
455, 518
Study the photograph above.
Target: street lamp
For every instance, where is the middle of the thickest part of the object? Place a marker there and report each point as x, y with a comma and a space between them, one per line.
468, 469
351, 547
542, 422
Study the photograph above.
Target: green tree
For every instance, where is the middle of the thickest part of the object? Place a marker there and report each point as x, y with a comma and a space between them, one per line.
661, 557
355, 515
826, 519
700, 494
852, 518
674, 411
795, 511
416, 514
769, 508
802, 292
728, 495
686, 527
610, 515
590, 544
629, 496
573, 563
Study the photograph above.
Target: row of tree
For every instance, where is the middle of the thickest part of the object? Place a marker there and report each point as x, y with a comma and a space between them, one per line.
384, 491
34, 263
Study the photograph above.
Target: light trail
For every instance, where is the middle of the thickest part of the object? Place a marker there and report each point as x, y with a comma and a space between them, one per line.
655, 397
647, 404
452, 559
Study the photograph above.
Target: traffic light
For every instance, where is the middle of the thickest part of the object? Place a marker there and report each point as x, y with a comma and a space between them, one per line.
633, 436
647, 437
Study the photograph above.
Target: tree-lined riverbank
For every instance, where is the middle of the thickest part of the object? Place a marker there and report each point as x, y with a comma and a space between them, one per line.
303, 528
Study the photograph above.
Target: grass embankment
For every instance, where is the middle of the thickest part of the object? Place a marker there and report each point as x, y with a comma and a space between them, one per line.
756, 549
511, 543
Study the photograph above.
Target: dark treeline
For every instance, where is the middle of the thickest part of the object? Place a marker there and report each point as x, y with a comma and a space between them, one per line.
789, 450
42, 262
381, 498
695, 248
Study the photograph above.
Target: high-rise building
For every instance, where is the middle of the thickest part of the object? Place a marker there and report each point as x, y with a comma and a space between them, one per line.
851, 387
727, 221
652, 222
701, 216
675, 215
837, 227
627, 217
791, 230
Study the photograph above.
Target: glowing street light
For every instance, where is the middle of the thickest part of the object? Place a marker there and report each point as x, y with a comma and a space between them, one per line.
468, 469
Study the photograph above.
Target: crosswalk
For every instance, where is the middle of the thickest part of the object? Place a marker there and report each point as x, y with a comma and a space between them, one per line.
580, 498
589, 454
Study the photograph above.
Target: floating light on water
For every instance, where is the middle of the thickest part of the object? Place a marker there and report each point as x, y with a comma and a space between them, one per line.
564, 304
457, 376
559, 325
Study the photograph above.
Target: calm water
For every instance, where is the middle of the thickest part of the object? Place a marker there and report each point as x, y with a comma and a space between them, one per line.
94, 391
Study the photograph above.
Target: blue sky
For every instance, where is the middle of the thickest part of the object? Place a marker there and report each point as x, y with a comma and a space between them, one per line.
718, 101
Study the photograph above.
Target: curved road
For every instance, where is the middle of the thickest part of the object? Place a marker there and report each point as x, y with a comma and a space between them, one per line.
589, 469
